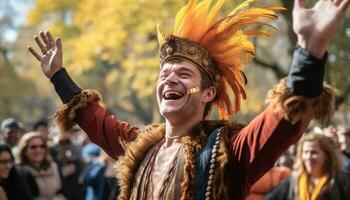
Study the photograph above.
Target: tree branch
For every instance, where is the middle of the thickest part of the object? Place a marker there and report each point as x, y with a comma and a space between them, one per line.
145, 116
289, 22
277, 70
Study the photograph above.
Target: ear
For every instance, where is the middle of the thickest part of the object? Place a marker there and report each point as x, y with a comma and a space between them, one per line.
208, 94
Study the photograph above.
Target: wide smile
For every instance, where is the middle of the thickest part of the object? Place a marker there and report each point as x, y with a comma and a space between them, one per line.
173, 95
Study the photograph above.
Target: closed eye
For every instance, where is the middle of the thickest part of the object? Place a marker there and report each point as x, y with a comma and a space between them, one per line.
185, 75
163, 76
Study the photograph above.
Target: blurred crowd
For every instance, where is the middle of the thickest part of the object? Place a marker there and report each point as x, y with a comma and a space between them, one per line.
44, 163
316, 168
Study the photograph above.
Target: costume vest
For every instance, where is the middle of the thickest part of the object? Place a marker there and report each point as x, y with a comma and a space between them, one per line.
202, 167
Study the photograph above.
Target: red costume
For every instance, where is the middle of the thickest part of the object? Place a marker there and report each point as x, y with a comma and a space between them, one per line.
218, 160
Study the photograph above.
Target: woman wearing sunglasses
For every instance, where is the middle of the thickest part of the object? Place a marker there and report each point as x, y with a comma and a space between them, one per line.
15, 184
33, 156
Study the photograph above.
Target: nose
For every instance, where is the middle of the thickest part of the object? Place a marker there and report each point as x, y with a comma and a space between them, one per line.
171, 79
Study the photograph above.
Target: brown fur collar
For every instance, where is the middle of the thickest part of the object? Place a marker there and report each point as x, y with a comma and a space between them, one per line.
126, 166
298, 108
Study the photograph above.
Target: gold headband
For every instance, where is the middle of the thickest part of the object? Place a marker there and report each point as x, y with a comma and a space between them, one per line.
176, 47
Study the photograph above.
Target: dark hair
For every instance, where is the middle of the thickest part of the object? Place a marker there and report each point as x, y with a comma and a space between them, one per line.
40, 123
5, 147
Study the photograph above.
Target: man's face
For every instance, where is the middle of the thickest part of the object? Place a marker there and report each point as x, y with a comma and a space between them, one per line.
175, 79
12, 137
44, 130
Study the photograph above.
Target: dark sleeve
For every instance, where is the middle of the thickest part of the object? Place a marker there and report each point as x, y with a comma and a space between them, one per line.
279, 192
65, 87
342, 181
306, 74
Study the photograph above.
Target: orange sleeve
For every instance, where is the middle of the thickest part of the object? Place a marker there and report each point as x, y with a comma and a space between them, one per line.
105, 130
87, 110
257, 146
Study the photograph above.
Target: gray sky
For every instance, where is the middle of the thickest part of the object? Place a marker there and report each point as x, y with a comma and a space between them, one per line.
20, 8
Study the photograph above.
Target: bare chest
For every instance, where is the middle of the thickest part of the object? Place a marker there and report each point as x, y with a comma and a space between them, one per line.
162, 169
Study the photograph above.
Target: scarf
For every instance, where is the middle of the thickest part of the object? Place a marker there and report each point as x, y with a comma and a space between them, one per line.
304, 185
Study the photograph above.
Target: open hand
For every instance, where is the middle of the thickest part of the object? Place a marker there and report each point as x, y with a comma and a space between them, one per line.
51, 57
316, 26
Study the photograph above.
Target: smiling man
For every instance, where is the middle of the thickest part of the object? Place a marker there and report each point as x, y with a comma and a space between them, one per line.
201, 63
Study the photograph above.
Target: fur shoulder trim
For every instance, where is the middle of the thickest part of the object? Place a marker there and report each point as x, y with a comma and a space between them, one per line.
66, 114
126, 165
298, 108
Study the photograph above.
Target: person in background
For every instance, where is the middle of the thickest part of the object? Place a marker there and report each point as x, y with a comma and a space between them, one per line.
42, 126
33, 156
266, 183
331, 132
316, 173
98, 176
344, 140
68, 157
12, 132
13, 181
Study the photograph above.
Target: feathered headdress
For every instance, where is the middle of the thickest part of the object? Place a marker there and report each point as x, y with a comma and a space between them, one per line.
220, 47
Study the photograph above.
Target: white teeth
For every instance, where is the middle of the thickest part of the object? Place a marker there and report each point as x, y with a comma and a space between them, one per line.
172, 95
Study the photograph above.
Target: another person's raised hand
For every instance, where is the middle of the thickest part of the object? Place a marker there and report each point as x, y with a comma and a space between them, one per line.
51, 53
316, 26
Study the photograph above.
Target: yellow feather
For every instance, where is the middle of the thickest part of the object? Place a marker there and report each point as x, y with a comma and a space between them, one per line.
275, 8
160, 36
178, 19
201, 12
241, 6
257, 33
214, 12
187, 19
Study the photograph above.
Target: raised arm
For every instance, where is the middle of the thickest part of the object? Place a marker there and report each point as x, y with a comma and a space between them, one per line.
297, 99
82, 107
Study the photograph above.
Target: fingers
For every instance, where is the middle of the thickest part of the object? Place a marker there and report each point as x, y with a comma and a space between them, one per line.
34, 53
40, 44
299, 4
336, 2
59, 44
44, 38
51, 41
344, 5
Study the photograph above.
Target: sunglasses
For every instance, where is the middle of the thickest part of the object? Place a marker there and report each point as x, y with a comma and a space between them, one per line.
32, 147
7, 162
